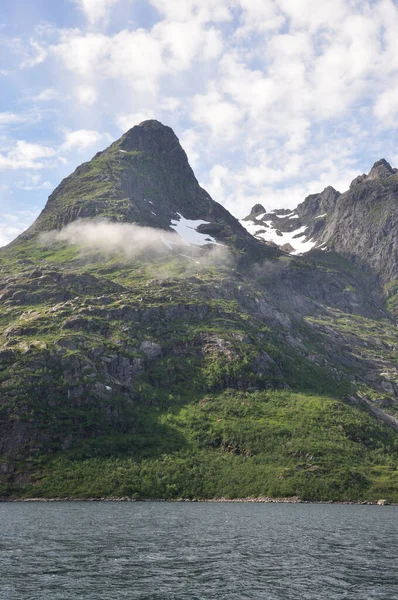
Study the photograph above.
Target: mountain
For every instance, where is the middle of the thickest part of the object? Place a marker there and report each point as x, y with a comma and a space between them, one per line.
143, 178
360, 224
150, 346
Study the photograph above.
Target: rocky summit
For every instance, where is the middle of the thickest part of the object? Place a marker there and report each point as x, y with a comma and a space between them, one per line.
361, 224
153, 346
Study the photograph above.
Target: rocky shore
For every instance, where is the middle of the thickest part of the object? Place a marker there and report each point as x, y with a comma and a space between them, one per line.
256, 500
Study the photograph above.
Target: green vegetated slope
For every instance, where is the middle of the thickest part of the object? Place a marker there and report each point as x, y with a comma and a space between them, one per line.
163, 378
234, 445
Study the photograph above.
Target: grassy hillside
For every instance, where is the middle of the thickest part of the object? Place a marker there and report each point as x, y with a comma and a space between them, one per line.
232, 444
166, 378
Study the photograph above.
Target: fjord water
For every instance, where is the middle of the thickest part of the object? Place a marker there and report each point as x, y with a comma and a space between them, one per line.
197, 551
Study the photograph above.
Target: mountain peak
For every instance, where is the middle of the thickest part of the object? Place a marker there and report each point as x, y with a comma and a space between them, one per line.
257, 209
152, 124
381, 170
151, 136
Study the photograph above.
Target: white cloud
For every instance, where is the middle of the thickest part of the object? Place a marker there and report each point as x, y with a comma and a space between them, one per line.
313, 14
33, 181
8, 118
34, 54
194, 10
386, 107
283, 178
220, 116
24, 155
82, 139
46, 95
133, 56
239, 191
8, 232
260, 15
385, 13
12, 224
96, 10
86, 94
182, 43
136, 58
190, 141
170, 103
126, 122
253, 91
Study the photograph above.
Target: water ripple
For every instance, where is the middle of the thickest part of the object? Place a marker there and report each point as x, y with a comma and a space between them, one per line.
168, 551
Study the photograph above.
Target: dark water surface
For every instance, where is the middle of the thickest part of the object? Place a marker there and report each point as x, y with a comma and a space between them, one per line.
197, 551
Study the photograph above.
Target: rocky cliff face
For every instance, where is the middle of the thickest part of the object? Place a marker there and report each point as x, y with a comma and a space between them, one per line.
97, 351
360, 224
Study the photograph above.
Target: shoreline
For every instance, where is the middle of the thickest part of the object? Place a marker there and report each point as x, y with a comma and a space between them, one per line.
249, 500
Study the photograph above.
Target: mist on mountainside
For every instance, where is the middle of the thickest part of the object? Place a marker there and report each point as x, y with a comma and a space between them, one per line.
130, 240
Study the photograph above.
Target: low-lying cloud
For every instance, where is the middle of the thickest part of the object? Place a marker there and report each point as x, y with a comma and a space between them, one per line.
109, 239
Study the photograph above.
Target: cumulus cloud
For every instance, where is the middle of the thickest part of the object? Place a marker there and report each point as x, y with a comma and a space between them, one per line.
168, 106
82, 139
386, 107
137, 58
190, 141
96, 10
282, 182
12, 224
259, 15
24, 155
9, 118
33, 181
181, 43
46, 95
86, 94
191, 10
8, 231
33, 54
126, 122
221, 117
130, 55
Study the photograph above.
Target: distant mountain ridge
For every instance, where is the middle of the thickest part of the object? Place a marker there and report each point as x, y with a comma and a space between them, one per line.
361, 224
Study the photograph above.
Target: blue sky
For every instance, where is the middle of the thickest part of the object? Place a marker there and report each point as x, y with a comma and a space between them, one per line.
271, 99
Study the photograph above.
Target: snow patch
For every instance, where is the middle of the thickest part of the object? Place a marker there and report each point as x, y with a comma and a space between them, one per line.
320, 216
186, 229
323, 247
296, 238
